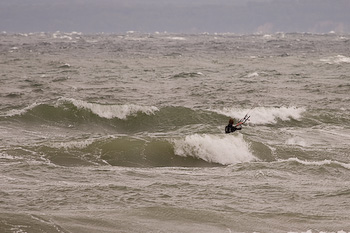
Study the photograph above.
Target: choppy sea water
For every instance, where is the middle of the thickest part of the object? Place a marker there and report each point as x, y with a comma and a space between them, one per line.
125, 133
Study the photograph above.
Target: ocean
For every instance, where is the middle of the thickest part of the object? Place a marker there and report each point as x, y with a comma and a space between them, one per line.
125, 133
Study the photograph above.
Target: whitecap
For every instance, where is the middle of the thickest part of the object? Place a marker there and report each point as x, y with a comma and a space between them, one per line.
222, 149
111, 111
65, 65
264, 115
78, 143
176, 38
318, 163
251, 75
73, 144
336, 59
298, 141
16, 112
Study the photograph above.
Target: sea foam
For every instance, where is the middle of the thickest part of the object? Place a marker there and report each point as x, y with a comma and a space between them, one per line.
112, 111
16, 112
318, 163
264, 115
222, 149
336, 59
102, 110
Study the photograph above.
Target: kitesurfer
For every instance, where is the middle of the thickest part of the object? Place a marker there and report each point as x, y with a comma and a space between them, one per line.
230, 128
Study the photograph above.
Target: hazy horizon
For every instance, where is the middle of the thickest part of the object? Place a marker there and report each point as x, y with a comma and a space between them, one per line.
198, 16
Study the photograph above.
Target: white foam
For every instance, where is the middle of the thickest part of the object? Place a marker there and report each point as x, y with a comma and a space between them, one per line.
79, 143
222, 149
267, 36
7, 156
298, 141
69, 36
58, 35
175, 38
112, 111
318, 163
73, 144
75, 33
251, 75
336, 59
16, 112
104, 111
310, 231
264, 115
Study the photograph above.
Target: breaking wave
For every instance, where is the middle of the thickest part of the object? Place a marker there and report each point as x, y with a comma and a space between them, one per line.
101, 110
112, 111
227, 149
191, 151
336, 59
264, 115
71, 111
318, 163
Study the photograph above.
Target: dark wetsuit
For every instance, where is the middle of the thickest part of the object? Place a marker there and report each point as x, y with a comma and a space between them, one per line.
230, 128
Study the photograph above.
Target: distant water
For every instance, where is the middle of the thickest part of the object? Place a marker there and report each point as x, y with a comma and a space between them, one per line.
125, 133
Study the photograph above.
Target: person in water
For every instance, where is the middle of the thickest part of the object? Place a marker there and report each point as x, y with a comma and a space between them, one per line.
230, 128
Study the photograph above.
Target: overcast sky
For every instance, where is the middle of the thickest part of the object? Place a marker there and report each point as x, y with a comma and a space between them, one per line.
175, 16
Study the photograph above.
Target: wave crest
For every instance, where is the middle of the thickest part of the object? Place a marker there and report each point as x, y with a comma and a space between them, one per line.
102, 110
264, 115
318, 163
195, 150
225, 149
336, 59
112, 111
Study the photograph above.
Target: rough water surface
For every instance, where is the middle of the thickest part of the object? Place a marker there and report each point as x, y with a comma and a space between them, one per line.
125, 133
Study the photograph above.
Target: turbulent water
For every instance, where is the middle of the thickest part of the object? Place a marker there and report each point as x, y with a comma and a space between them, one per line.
125, 133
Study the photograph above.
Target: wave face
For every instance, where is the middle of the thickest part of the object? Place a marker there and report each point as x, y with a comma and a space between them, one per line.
194, 150
147, 136
72, 106
75, 110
